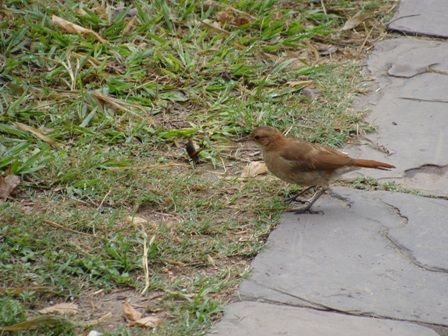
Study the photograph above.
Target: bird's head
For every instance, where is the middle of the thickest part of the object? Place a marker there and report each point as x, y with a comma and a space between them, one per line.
265, 135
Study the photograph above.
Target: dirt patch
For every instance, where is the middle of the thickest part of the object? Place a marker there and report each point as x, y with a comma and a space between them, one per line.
107, 308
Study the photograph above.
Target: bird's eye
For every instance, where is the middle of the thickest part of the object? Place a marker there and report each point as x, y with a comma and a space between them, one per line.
257, 137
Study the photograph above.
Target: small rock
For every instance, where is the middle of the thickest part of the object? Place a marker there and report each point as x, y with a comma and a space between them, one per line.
94, 333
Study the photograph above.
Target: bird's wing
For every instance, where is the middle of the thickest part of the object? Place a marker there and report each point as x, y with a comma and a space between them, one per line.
306, 156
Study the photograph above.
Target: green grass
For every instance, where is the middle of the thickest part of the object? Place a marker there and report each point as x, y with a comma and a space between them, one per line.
109, 123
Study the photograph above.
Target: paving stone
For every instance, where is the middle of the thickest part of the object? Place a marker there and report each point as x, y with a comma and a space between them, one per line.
410, 110
423, 17
384, 256
263, 319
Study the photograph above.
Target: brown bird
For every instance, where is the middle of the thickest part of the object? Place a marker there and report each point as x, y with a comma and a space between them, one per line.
304, 163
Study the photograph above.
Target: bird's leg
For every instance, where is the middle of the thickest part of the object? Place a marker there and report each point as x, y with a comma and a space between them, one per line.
311, 201
294, 197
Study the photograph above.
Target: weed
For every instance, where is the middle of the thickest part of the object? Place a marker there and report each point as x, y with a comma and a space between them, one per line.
96, 131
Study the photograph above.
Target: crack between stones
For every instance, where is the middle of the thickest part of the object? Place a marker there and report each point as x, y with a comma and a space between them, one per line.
397, 211
322, 307
377, 146
403, 249
408, 254
428, 69
411, 172
424, 100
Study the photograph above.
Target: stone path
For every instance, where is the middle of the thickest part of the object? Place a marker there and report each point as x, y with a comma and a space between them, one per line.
410, 109
378, 263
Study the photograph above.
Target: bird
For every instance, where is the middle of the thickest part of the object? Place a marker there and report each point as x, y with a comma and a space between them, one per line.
307, 164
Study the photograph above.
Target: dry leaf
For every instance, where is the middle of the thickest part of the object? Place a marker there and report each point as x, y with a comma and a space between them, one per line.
311, 93
214, 26
353, 22
129, 25
302, 83
37, 133
149, 322
239, 21
130, 313
61, 308
73, 28
34, 323
81, 12
224, 17
327, 50
136, 220
122, 106
19, 290
8, 184
254, 168
211, 260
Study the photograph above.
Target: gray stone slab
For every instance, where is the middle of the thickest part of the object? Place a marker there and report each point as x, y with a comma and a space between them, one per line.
262, 319
410, 109
385, 255
423, 17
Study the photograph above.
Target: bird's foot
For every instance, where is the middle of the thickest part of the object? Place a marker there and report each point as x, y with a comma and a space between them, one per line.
309, 203
306, 208
296, 199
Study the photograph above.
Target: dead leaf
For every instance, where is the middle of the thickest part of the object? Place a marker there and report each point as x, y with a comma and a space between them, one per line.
327, 50
34, 323
214, 26
254, 168
129, 25
302, 83
211, 260
19, 290
136, 220
37, 133
81, 12
239, 21
73, 28
118, 105
353, 22
131, 314
8, 184
224, 17
61, 308
311, 93
149, 322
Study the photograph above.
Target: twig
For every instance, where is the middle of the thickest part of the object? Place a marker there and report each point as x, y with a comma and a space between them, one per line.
323, 7
149, 166
104, 199
365, 41
97, 321
59, 226
145, 264
215, 28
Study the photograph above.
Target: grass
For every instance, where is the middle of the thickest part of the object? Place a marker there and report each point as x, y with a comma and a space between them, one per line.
96, 131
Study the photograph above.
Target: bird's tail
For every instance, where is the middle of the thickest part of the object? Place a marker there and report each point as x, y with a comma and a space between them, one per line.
372, 164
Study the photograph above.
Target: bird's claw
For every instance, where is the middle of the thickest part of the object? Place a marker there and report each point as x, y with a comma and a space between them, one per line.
306, 209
